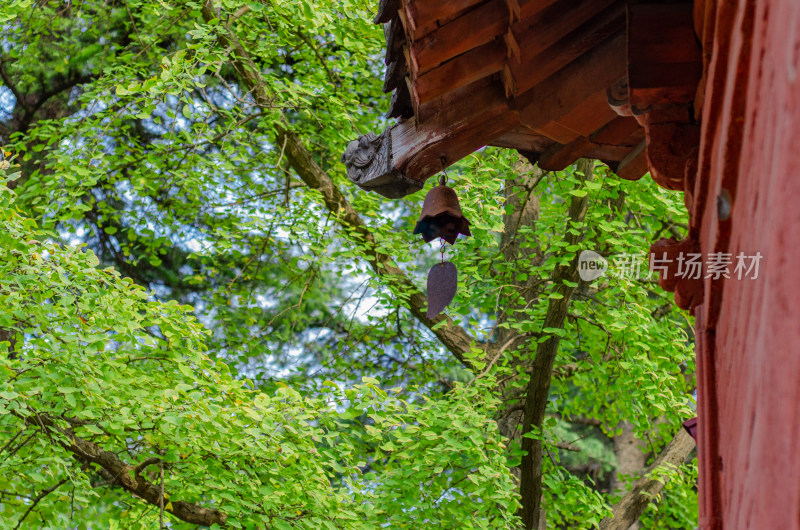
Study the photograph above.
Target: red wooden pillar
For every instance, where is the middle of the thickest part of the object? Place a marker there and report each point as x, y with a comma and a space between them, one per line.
748, 348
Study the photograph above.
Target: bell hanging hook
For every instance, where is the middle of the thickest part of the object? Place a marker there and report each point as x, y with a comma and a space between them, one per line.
443, 177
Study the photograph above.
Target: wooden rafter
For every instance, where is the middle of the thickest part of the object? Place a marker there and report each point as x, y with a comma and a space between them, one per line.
557, 79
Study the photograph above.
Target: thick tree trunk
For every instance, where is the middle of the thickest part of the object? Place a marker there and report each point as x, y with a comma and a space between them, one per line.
542, 369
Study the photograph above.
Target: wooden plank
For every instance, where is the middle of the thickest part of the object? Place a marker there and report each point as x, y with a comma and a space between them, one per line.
523, 140
590, 115
529, 8
610, 142
470, 140
456, 99
555, 97
618, 132
559, 156
464, 69
665, 62
543, 57
557, 132
634, 165
540, 30
609, 153
491, 57
454, 132
424, 16
477, 27
458, 107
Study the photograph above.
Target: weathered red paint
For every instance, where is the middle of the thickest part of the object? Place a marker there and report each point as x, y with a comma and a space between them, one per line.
748, 331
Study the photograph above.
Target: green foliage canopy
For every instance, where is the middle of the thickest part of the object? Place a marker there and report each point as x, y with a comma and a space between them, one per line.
232, 334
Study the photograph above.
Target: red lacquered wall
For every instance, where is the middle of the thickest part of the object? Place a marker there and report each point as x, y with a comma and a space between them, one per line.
749, 330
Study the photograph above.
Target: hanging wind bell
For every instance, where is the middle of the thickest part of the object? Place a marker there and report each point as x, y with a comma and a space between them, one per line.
441, 218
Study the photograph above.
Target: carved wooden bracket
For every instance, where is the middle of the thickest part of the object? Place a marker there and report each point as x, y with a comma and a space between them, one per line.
370, 166
673, 141
618, 96
680, 269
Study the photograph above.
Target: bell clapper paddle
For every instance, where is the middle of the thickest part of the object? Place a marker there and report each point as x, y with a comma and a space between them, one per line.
442, 284
441, 218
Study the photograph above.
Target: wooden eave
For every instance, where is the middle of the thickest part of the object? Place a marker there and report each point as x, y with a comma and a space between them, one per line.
554, 79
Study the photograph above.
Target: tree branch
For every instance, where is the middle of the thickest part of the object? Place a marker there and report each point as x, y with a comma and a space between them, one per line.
38, 498
628, 510
452, 336
577, 419
121, 474
567, 446
137, 471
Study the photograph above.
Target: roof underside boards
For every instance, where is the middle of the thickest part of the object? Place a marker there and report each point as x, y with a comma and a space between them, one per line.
546, 77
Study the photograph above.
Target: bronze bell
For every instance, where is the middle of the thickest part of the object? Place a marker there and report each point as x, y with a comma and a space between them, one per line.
441, 215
